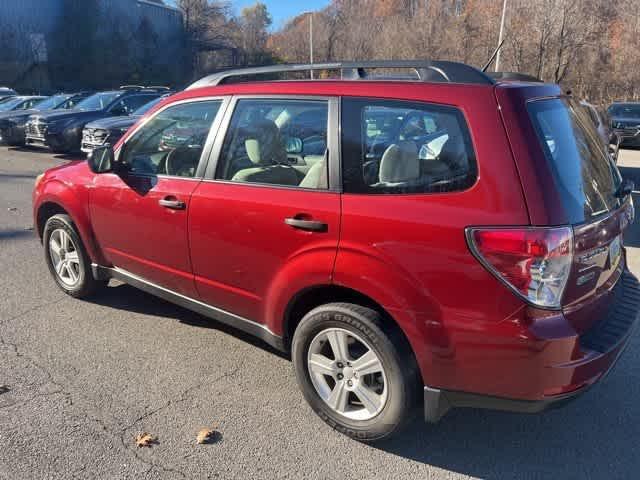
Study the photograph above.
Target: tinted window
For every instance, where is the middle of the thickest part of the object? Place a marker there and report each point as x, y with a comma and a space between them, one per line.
278, 142
147, 106
171, 143
130, 104
11, 104
586, 177
98, 101
51, 102
629, 111
405, 147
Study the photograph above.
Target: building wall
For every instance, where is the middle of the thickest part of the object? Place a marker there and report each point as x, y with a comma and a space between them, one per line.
26, 27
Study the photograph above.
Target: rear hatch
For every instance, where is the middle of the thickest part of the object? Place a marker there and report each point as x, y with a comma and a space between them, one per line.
591, 197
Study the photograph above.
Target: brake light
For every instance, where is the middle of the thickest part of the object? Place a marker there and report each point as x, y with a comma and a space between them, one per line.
533, 262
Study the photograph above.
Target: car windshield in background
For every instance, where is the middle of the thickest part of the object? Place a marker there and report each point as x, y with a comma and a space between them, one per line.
629, 111
98, 101
147, 106
51, 102
586, 177
10, 104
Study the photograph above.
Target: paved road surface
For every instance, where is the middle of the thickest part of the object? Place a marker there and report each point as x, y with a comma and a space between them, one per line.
85, 377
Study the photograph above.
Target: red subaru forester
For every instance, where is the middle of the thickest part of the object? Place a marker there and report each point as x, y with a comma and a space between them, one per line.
442, 238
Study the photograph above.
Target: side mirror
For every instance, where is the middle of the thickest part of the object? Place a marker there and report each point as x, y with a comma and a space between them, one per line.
101, 159
294, 145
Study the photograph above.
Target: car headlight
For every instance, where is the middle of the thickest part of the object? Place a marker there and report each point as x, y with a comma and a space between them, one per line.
38, 180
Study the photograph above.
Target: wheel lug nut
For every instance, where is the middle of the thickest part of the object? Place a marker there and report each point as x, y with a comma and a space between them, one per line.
340, 376
350, 383
340, 365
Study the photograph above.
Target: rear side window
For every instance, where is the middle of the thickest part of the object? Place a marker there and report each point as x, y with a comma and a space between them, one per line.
395, 147
585, 176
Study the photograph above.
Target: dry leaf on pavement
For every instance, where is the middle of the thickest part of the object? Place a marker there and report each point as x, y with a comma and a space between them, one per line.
205, 435
145, 440
3, 389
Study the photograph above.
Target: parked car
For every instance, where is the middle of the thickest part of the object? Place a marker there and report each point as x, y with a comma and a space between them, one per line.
22, 102
109, 130
62, 131
481, 265
609, 138
12, 124
625, 120
6, 93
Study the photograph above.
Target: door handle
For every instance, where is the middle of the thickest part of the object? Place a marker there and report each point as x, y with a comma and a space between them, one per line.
309, 225
173, 203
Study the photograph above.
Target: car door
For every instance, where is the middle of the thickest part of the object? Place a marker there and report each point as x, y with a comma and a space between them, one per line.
140, 214
266, 218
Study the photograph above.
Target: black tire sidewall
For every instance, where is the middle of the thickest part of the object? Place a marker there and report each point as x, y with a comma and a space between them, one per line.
85, 284
364, 323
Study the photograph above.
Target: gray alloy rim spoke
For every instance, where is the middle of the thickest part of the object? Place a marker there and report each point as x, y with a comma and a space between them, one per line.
338, 341
72, 257
322, 365
367, 364
339, 397
370, 400
356, 389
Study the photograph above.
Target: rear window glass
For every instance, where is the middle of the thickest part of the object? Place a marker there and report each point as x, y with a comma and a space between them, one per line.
396, 147
586, 177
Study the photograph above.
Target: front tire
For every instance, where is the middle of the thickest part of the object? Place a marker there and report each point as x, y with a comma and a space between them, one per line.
67, 258
356, 371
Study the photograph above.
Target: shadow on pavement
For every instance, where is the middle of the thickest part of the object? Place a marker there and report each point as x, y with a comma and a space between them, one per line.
12, 234
125, 297
594, 437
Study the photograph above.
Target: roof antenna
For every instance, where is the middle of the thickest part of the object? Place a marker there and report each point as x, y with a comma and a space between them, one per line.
493, 56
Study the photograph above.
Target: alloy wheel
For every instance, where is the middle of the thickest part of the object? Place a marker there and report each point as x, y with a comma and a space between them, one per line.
65, 257
347, 374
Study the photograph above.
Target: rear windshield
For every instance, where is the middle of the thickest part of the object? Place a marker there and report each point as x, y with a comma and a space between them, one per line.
629, 111
586, 177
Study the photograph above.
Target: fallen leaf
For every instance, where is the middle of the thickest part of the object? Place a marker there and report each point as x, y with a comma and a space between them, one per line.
12, 209
3, 389
145, 439
206, 435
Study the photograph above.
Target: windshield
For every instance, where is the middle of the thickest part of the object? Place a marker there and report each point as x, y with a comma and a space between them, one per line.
98, 101
10, 104
586, 177
147, 106
630, 111
51, 102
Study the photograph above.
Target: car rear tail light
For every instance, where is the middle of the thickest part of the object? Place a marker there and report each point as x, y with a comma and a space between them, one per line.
533, 262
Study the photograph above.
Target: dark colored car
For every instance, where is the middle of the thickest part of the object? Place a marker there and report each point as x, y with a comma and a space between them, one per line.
109, 130
625, 120
610, 140
6, 93
20, 103
12, 124
457, 243
62, 131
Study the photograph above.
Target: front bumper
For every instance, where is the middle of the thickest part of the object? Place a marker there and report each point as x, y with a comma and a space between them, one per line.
602, 345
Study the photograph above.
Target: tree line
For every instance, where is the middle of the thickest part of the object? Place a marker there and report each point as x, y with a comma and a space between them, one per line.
591, 47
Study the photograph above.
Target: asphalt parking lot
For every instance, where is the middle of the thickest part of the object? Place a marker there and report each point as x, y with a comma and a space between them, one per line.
84, 378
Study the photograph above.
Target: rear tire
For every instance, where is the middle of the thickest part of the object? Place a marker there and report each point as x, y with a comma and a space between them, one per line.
368, 390
67, 258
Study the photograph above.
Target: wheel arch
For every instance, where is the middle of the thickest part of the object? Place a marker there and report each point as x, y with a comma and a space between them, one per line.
315, 296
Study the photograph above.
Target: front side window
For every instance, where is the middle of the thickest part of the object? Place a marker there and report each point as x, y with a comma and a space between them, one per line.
278, 142
171, 142
98, 101
405, 147
130, 104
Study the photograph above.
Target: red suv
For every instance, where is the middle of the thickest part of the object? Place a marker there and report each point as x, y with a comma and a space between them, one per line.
445, 238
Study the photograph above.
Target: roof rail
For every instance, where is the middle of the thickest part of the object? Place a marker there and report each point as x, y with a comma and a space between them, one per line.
425, 70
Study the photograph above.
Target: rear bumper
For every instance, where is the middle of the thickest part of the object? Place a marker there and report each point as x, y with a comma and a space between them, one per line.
601, 347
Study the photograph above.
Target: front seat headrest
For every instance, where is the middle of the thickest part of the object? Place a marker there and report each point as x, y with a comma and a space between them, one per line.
400, 163
264, 145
